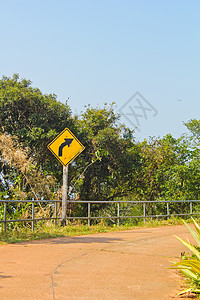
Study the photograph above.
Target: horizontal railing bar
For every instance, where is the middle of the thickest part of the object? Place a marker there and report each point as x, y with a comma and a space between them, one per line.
132, 217
136, 202
30, 201
85, 218
94, 202
29, 220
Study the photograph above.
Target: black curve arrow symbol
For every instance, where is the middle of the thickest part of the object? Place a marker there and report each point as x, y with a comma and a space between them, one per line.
66, 143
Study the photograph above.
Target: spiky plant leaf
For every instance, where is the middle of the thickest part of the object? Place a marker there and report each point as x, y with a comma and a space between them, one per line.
190, 274
197, 227
190, 247
196, 291
194, 234
193, 265
184, 291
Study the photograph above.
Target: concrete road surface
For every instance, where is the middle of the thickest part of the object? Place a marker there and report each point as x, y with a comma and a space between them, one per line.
108, 266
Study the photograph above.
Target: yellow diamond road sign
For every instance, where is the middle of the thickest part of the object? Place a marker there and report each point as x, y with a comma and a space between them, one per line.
66, 147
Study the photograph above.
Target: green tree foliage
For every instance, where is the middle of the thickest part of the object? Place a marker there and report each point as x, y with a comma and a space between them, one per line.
157, 156
110, 158
194, 128
170, 170
35, 118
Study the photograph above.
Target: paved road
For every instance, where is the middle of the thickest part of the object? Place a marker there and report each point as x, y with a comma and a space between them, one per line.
108, 266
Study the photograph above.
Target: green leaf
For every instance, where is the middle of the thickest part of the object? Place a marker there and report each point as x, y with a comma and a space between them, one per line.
196, 291
197, 227
190, 274
194, 265
190, 247
194, 234
184, 291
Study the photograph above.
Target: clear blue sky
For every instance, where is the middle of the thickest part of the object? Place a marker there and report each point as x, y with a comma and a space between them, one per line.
104, 51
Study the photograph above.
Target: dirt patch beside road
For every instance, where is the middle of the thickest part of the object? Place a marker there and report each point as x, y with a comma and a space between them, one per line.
118, 265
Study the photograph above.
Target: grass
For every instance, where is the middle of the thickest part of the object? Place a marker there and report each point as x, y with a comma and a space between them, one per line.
47, 230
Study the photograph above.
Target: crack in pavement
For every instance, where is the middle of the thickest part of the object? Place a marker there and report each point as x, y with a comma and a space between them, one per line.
58, 266
69, 260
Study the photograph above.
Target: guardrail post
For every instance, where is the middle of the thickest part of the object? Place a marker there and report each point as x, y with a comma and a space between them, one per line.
168, 210
4, 218
144, 212
191, 208
33, 215
88, 214
118, 217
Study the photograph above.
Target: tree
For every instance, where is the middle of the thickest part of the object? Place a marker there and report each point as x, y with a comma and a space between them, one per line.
35, 118
157, 156
169, 171
109, 159
194, 128
184, 176
25, 180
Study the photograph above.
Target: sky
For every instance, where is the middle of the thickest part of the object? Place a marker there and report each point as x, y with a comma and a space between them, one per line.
141, 54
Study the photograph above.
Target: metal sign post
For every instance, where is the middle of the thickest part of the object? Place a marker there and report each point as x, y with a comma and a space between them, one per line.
66, 147
64, 195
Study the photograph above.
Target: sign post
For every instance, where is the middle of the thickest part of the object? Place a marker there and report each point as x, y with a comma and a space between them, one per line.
65, 147
64, 195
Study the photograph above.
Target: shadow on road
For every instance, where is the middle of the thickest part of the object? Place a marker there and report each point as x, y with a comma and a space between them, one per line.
3, 277
78, 240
